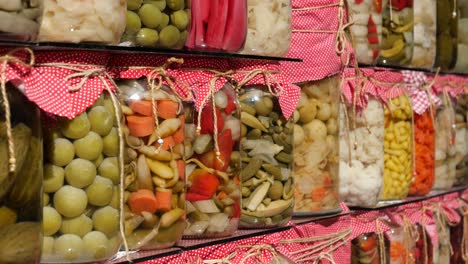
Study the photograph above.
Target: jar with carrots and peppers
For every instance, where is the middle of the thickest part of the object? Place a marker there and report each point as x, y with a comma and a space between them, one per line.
447, 34
82, 188
398, 148
366, 249
217, 25
424, 248
153, 127
397, 33
402, 246
212, 152
367, 28
267, 159
316, 148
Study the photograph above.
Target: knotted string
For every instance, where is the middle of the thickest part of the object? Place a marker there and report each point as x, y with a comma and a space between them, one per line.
410, 236
101, 73
6, 59
267, 76
225, 260
381, 238
464, 244
256, 251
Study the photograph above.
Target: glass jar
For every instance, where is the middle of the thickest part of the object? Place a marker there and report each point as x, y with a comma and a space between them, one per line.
361, 168
218, 25
365, 249
402, 246
461, 143
154, 165
424, 247
367, 29
424, 48
269, 28
397, 33
213, 184
462, 48
267, 159
316, 148
456, 241
447, 31
444, 248
20, 191
99, 21
398, 148
445, 149
424, 149
161, 23
20, 19
82, 187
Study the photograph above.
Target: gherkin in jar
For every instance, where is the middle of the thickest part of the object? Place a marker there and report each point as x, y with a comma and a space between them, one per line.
267, 158
20, 180
81, 210
157, 23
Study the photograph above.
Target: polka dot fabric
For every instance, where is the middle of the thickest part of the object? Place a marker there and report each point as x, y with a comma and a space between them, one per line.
17, 71
289, 93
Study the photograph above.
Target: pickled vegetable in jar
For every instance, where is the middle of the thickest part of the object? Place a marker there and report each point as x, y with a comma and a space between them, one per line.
154, 165
316, 148
402, 246
218, 25
20, 190
447, 34
398, 153
361, 167
444, 250
267, 159
213, 167
99, 21
157, 23
424, 248
462, 48
461, 143
445, 150
366, 249
424, 151
424, 48
269, 28
20, 19
397, 33
367, 29
82, 187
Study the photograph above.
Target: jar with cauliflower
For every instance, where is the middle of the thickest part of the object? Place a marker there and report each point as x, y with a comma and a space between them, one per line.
397, 33
445, 149
81, 218
316, 148
398, 148
367, 28
212, 151
20, 180
269, 27
361, 154
154, 165
447, 34
462, 49
20, 19
95, 21
424, 48
158, 23
461, 140
267, 158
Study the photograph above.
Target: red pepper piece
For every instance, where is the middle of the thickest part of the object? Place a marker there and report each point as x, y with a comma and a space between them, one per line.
358, 2
204, 185
207, 124
236, 26
378, 5
225, 144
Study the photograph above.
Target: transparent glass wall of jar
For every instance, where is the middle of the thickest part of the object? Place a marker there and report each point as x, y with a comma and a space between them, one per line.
20, 191
425, 29
461, 143
462, 49
157, 23
82, 187
447, 34
269, 28
316, 148
154, 165
267, 159
20, 19
96, 21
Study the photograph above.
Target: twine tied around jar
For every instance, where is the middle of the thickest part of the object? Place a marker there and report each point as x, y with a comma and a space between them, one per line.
267, 76
5, 60
410, 236
328, 242
442, 222
256, 251
86, 72
225, 260
464, 243
381, 240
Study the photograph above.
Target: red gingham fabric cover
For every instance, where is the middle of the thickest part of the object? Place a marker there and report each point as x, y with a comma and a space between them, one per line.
419, 98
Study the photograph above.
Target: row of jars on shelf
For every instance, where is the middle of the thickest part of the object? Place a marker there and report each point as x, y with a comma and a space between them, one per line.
203, 173
248, 27
421, 34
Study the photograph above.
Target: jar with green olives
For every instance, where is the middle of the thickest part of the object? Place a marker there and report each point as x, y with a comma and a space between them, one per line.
20, 180
82, 186
154, 165
447, 34
267, 159
97, 21
213, 156
316, 148
157, 23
